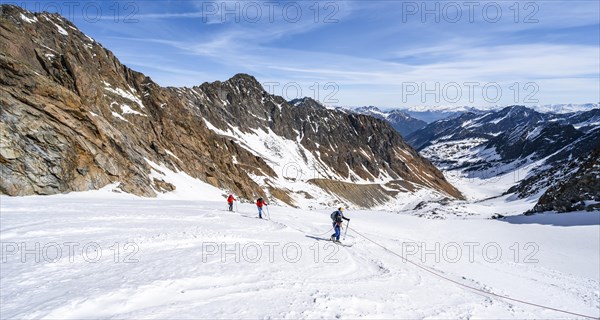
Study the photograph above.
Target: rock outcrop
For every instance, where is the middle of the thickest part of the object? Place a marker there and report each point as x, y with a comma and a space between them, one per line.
577, 191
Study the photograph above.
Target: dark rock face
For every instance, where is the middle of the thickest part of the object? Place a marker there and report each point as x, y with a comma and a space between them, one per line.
579, 190
74, 118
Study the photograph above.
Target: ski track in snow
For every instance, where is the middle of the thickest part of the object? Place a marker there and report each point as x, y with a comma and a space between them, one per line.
173, 280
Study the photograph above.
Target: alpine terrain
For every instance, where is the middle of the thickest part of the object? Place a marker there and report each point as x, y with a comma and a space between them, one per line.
74, 118
186, 190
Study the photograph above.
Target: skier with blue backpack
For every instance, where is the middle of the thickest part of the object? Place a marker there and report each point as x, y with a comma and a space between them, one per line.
337, 217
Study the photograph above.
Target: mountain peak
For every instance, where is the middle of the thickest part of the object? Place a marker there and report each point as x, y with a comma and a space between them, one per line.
518, 109
367, 109
244, 80
243, 77
307, 102
28, 17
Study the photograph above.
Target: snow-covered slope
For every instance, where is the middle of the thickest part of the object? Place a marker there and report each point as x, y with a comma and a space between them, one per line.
158, 258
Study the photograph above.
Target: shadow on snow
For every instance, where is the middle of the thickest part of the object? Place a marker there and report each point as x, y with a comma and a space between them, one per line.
569, 219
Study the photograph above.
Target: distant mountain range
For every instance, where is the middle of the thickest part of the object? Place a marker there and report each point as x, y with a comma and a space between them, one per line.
400, 120
430, 114
547, 108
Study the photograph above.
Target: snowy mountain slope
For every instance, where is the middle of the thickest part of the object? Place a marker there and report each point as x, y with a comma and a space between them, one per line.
486, 197
191, 259
76, 119
306, 144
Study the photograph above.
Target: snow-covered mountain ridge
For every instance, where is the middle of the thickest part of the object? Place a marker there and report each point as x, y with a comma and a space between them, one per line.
409, 119
544, 108
157, 258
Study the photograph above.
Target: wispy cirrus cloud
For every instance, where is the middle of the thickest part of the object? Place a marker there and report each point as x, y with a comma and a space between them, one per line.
369, 52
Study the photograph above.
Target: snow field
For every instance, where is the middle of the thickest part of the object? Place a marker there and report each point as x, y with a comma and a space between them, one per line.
178, 259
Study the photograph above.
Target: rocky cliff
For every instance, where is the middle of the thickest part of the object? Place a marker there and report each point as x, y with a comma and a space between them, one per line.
578, 190
74, 118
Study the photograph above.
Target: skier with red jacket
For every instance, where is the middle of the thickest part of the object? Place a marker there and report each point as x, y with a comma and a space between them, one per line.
259, 205
230, 201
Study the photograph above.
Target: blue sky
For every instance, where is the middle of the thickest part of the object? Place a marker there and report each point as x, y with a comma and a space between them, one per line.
384, 53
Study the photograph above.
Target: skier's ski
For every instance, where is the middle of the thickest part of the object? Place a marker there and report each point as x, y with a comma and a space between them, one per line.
329, 240
250, 217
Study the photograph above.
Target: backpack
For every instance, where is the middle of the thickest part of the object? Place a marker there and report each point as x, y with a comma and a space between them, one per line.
334, 216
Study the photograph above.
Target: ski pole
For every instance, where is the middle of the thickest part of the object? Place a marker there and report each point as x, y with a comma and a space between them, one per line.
236, 207
347, 227
268, 213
